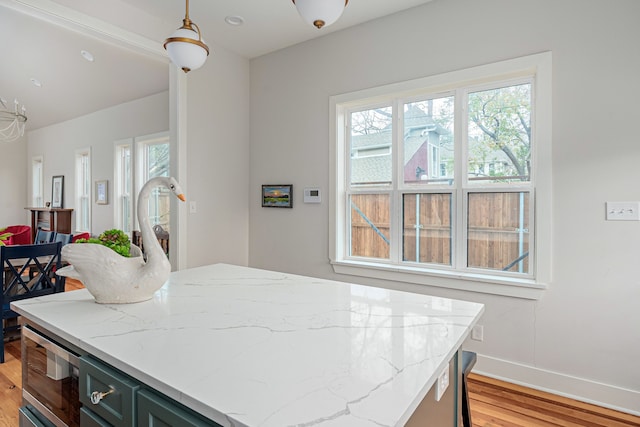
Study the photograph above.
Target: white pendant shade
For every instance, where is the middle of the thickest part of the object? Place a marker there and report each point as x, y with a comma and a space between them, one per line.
186, 55
185, 47
320, 12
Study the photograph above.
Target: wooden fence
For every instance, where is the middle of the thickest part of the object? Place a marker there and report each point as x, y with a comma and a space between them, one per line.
498, 229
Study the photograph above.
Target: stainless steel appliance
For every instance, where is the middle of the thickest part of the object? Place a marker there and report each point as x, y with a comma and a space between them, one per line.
49, 382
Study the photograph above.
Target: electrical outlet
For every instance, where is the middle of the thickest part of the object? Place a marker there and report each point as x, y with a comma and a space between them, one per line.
623, 211
477, 333
442, 384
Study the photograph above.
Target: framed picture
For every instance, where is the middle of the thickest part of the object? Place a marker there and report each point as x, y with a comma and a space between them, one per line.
57, 192
102, 192
277, 196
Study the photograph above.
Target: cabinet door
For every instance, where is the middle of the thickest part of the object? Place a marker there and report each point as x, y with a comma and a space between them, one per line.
90, 419
31, 417
118, 402
157, 411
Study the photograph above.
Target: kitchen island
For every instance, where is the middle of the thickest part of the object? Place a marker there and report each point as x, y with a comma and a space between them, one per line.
248, 347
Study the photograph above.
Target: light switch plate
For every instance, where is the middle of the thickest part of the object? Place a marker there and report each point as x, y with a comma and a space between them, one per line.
443, 383
623, 211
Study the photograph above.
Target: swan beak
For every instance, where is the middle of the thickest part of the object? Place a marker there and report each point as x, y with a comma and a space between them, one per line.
181, 197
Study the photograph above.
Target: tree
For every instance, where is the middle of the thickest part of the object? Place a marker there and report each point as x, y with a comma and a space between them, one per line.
371, 121
500, 121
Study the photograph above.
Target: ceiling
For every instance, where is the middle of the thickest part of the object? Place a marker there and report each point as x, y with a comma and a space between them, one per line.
43, 40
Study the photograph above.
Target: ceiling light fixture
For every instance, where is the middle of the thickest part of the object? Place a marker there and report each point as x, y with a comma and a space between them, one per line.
234, 20
185, 47
87, 55
12, 122
320, 13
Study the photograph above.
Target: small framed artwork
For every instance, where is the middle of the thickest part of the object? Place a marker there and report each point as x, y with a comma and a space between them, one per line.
57, 192
277, 196
102, 192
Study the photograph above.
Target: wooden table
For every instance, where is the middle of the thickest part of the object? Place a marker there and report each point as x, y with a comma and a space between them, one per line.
59, 220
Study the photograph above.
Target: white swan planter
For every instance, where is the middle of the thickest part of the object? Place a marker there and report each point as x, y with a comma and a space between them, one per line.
114, 279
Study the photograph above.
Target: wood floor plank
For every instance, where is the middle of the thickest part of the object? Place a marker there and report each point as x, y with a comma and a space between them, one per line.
10, 385
497, 416
533, 405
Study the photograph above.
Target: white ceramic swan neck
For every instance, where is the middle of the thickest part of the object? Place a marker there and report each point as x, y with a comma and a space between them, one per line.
152, 247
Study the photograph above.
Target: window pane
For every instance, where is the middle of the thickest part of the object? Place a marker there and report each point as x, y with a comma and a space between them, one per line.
428, 141
371, 136
500, 134
427, 228
36, 181
159, 200
498, 231
158, 155
370, 215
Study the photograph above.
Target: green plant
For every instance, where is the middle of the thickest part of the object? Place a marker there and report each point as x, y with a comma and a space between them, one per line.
114, 239
4, 236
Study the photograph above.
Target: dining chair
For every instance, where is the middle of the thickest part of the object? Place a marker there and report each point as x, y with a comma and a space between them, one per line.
163, 238
63, 238
27, 271
44, 236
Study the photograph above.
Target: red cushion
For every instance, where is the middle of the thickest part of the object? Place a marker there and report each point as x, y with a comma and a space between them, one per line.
80, 236
21, 235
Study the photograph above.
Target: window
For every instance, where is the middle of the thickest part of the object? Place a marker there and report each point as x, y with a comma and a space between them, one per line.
123, 185
83, 190
37, 182
136, 161
152, 160
459, 180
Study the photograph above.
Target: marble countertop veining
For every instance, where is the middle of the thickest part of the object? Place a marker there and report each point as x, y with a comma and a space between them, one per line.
249, 347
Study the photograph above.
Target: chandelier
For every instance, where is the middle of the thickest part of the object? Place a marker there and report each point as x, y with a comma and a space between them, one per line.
12, 122
185, 47
320, 12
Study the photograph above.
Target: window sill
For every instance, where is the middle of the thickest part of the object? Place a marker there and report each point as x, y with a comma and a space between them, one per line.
495, 285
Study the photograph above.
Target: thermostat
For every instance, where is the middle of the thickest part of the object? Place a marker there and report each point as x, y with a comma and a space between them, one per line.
312, 195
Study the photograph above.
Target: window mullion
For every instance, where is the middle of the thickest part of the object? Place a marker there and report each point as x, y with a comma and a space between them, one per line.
396, 194
459, 233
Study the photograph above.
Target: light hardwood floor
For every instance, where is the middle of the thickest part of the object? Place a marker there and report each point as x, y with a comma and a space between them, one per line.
494, 403
497, 403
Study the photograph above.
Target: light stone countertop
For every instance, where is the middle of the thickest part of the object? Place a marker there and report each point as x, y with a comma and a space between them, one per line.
248, 347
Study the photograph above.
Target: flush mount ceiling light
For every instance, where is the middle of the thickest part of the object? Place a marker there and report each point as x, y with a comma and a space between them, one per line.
87, 55
320, 12
12, 122
234, 20
185, 47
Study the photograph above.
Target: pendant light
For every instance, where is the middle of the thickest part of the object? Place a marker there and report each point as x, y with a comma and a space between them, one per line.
320, 12
12, 122
185, 47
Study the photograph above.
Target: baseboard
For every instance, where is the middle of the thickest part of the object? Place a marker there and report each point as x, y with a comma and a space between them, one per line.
581, 389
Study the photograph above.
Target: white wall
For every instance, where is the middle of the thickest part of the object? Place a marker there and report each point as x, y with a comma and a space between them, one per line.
58, 144
581, 338
217, 159
13, 183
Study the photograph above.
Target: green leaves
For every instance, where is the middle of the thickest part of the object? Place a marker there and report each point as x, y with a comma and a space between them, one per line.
114, 239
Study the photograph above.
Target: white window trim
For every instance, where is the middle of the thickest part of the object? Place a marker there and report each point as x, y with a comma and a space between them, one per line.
34, 160
540, 66
117, 184
79, 153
